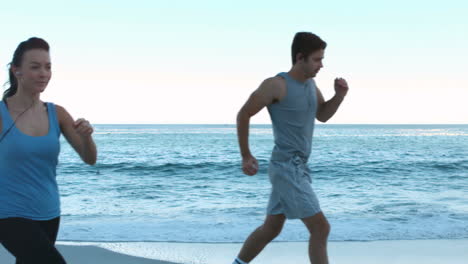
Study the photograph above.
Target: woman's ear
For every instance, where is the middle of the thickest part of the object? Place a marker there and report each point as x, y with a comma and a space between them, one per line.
15, 71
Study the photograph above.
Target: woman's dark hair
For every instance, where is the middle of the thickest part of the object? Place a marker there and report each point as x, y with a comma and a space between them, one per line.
306, 43
32, 43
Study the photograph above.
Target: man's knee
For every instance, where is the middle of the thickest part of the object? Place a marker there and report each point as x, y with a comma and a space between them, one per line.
326, 228
321, 230
318, 226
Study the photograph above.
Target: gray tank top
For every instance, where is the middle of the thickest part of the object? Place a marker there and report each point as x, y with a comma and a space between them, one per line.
293, 119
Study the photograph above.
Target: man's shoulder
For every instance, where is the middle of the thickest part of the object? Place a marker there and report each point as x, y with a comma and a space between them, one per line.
275, 81
274, 87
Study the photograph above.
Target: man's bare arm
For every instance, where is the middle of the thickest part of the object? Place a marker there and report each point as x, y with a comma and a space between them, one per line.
268, 92
326, 109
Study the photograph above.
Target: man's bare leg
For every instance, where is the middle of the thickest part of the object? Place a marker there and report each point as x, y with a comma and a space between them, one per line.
263, 235
319, 228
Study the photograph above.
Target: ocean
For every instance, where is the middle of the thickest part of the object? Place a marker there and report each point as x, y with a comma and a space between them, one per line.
183, 183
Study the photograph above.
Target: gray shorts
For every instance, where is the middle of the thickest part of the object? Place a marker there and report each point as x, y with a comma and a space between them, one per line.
291, 192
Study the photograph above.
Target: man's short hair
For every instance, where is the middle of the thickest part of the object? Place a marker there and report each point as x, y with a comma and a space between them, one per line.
306, 43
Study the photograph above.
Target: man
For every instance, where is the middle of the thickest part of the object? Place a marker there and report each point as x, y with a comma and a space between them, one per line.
293, 102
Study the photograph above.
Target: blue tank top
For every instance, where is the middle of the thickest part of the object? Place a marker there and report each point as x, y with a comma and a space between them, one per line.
28, 187
293, 119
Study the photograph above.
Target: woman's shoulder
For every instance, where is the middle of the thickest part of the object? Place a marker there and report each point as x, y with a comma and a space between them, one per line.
62, 113
59, 108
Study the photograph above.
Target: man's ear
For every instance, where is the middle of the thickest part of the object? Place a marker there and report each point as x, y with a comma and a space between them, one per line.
299, 57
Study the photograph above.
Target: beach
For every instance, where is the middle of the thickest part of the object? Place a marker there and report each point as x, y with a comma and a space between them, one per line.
382, 252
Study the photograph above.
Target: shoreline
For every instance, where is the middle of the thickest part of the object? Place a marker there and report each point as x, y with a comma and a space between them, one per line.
344, 252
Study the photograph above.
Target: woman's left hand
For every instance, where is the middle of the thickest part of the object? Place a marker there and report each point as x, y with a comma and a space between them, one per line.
83, 127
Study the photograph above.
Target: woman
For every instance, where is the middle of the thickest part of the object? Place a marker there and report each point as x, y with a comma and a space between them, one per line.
29, 149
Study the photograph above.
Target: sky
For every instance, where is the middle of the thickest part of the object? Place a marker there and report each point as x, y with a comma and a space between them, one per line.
197, 62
